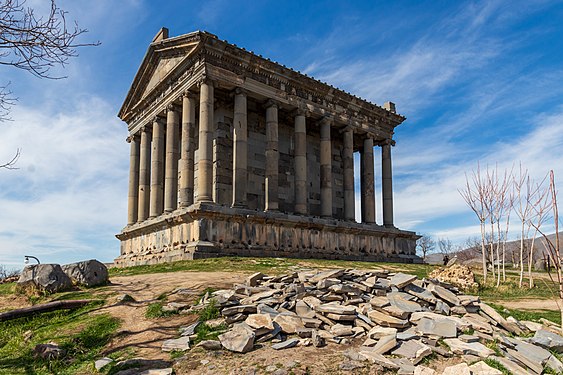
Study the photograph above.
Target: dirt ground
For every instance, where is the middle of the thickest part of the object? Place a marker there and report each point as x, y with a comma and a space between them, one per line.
528, 304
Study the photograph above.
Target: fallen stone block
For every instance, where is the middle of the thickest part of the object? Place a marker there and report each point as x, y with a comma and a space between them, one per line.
476, 348
180, 344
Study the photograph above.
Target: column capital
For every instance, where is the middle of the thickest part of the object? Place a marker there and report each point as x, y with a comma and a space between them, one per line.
158, 119
271, 103
347, 128
387, 142
205, 80
170, 107
240, 91
299, 112
132, 137
188, 94
326, 119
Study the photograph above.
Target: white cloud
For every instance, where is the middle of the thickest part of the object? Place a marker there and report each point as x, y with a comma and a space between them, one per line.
66, 200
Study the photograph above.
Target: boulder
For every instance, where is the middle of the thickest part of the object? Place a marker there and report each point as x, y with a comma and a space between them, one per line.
238, 340
49, 278
548, 340
88, 273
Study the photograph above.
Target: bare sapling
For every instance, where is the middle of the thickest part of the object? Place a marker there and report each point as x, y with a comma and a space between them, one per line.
475, 194
542, 206
553, 247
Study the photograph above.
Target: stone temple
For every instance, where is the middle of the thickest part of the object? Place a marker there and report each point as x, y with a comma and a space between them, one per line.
234, 154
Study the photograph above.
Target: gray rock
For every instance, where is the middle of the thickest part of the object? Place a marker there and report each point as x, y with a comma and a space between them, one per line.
238, 340
476, 348
412, 350
385, 344
241, 309
401, 280
514, 368
180, 344
253, 279
49, 278
444, 294
350, 366
548, 340
333, 308
437, 327
459, 369
102, 362
48, 351
285, 344
210, 344
317, 340
481, 368
88, 273
341, 330
189, 330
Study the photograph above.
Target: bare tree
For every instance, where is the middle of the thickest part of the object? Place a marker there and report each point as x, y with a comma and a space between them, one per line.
35, 44
541, 207
553, 248
426, 245
475, 194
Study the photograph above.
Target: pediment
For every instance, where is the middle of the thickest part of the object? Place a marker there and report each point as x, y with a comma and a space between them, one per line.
163, 60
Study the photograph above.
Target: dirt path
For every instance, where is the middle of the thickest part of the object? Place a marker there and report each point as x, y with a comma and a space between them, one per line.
528, 304
144, 336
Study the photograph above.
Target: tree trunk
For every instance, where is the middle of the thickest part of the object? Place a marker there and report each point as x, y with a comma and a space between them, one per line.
483, 251
46, 307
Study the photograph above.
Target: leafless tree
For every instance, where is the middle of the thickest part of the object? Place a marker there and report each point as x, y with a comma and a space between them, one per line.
446, 246
35, 44
475, 194
553, 248
541, 207
426, 245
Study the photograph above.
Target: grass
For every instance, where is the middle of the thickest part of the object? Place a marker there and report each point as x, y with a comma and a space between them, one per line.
155, 311
211, 311
80, 332
6, 289
266, 265
532, 315
496, 365
205, 332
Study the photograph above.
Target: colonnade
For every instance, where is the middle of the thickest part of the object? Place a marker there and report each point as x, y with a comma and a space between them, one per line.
156, 161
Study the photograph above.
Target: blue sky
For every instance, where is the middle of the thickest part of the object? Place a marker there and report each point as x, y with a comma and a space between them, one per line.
477, 81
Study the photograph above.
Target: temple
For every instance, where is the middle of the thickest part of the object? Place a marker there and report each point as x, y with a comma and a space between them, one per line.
234, 154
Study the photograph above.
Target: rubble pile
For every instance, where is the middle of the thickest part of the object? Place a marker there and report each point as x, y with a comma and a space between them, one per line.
457, 274
398, 318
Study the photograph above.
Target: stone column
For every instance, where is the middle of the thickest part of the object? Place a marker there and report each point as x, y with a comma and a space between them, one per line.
187, 150
133, 180
171, 174
387, 183
348, 166
205, 163
157, 159
368, 182
272, 156
326, 169
145, 174
300, 161
240, 149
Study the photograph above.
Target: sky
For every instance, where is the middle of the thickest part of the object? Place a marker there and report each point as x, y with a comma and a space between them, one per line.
479, 82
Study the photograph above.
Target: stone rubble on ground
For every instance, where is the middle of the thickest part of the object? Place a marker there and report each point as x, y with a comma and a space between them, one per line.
399, 318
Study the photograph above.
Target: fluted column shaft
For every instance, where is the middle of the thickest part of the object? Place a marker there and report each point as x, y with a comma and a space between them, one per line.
157, 165
326, 169
145, 175
300, 161
272, 157
368, 182
205, 151
240, 149
187, 151
171, 173
348, 166
387, 184
133, 201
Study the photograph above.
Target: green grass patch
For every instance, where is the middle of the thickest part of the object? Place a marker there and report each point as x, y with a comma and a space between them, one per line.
205, 332
211, 311
496, 365
154, 311
7, 289
266, 265
534, 316
80, 332
493, 345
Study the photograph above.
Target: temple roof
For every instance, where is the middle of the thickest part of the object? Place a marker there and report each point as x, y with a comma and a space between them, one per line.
169, 61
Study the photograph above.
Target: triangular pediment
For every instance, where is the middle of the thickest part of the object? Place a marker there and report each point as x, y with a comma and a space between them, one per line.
163, 60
